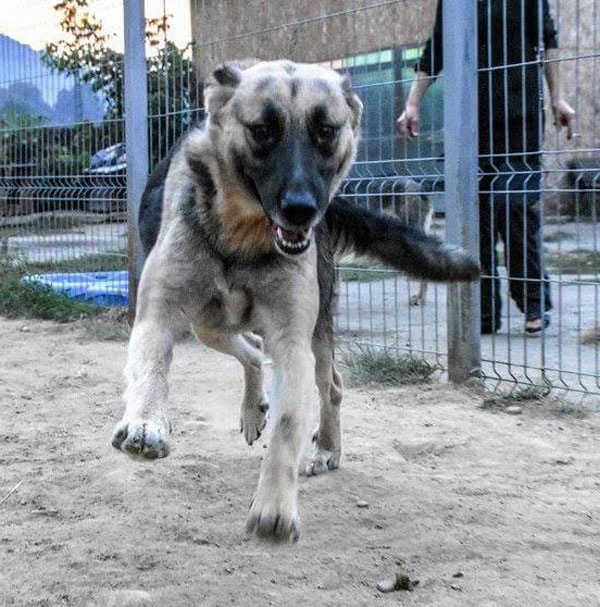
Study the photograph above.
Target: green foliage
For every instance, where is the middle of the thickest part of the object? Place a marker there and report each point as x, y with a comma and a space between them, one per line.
45, 150
21, 300
16, 118
98, 262
558, 236
84, 52
173, 95
361, 271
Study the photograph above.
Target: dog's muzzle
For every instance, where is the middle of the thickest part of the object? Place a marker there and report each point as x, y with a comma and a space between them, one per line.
293, 232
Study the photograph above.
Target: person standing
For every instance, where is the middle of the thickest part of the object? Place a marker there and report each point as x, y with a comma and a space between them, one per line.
515, 38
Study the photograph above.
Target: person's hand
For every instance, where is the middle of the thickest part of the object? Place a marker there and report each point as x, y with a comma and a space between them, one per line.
408, 123
564, 116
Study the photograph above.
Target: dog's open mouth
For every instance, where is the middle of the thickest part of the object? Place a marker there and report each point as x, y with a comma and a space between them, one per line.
291, 242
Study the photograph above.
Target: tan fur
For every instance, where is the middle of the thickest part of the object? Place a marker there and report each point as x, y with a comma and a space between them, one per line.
245, 227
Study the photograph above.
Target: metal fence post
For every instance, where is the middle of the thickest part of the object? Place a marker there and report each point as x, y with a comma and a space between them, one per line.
136, 134
461, 182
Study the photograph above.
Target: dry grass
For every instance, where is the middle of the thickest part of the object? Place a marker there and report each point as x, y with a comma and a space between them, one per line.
557, 236
591, 337
536, 398
110, 325
364, 366
578, 261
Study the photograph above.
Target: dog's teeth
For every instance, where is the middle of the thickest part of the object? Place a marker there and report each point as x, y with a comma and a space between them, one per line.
297, 245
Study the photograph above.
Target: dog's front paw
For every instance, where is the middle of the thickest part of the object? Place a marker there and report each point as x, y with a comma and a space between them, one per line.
142, 439
253, 419
274, 519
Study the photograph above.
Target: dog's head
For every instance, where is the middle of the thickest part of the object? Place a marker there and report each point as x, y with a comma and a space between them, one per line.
286, 133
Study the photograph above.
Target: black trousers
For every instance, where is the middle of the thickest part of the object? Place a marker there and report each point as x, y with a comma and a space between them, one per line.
509, 195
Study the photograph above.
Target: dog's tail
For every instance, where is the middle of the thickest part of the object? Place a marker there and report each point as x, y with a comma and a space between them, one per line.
386, 239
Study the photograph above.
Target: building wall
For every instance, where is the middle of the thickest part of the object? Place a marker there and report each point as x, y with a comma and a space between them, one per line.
579, 35
322, 30
306, 30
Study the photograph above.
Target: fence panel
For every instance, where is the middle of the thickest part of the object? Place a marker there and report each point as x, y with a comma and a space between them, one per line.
62, 159
63, 187
538, 190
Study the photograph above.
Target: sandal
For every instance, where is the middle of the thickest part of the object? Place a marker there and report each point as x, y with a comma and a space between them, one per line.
540, 325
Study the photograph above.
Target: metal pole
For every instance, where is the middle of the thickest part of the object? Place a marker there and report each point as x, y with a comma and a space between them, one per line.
461, 180
136, 135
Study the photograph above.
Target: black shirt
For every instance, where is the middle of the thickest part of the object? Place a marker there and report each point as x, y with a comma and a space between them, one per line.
512, 33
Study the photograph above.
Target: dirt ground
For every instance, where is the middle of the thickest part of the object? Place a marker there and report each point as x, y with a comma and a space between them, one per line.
484, 508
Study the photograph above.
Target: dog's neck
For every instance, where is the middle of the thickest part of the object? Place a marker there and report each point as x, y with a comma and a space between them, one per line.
233, 223
245, 229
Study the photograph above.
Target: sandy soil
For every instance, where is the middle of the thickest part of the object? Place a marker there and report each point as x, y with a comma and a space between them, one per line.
510, 502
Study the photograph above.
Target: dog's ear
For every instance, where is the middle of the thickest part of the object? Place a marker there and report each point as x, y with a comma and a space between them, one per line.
353, 101
221, 86
228, 74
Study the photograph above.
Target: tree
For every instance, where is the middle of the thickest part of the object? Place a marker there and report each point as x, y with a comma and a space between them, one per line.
24, 98
84, 52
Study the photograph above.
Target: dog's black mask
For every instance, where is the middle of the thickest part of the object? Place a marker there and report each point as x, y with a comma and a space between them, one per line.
289, 170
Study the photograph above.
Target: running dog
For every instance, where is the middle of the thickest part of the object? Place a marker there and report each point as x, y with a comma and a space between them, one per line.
250, 225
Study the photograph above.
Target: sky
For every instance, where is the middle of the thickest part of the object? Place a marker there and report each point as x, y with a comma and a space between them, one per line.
35, 22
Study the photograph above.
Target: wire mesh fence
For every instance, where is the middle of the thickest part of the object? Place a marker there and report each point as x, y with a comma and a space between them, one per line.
62, 168
62, 155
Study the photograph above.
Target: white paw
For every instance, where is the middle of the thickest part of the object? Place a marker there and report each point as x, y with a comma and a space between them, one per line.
253, 419
274, 517
142, 439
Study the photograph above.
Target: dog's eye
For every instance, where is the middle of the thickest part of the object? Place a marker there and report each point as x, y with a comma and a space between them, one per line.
326, 132
261, 133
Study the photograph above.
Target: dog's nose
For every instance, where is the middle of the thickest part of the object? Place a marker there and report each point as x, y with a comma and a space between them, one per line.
298, 208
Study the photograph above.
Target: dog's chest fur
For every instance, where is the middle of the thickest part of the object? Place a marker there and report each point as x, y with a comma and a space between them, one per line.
237, 295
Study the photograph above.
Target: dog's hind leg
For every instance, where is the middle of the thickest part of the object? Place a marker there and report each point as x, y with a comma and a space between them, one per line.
419, 299
327, 447
245, 350
255, 340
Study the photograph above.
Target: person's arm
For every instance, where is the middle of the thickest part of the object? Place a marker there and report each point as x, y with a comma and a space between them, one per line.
429, 66
564, 114
409, 119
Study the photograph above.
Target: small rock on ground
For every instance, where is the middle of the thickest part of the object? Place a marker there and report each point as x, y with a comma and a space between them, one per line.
398, 581
125, 598
514, 410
